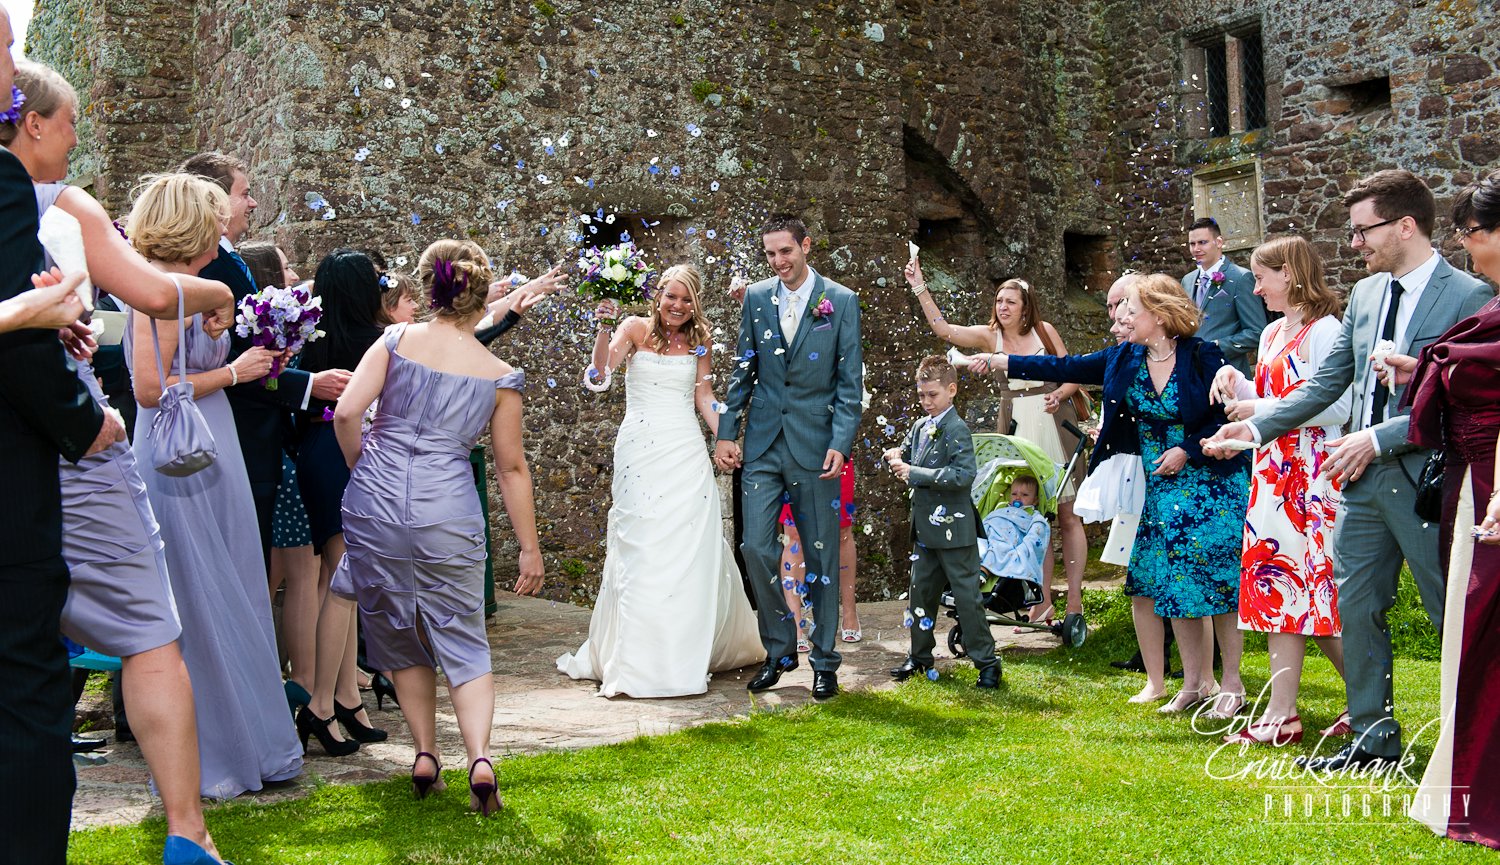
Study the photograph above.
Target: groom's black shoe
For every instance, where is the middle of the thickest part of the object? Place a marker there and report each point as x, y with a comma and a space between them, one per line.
989, 677
825, 684
770, 673
1349, 758
908, 669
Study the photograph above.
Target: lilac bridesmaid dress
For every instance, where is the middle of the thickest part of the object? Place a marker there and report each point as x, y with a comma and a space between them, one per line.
413, 524
218, 576
119, 599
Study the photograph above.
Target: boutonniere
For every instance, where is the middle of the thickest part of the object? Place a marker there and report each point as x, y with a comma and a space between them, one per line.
823, 307
1217, 277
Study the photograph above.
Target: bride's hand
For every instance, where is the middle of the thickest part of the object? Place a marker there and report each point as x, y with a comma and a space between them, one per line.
607, 313
530, 580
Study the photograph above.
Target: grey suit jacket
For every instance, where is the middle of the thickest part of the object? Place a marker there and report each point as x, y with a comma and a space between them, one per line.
942, 477
808, 390
1449, 297
1233, 317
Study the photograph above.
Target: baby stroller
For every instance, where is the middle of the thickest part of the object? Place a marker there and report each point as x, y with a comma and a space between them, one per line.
1001, 459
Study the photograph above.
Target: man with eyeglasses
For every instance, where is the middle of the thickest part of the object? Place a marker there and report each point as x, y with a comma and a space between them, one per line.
1411, 297
1233, 316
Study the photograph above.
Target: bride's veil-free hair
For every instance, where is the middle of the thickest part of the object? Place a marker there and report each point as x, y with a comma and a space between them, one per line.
696, 330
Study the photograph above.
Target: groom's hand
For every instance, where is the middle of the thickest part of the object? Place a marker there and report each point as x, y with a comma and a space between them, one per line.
833, 463
726, 455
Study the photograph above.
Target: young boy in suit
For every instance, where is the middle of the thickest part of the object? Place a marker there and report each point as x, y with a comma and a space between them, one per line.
937, 462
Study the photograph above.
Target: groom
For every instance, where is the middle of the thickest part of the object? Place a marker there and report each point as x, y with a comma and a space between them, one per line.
798, 373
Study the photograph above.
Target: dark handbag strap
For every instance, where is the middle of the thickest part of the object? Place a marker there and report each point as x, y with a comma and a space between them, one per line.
181, 341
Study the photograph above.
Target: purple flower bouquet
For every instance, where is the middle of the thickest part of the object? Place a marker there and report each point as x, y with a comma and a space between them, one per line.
279, 319
616, 272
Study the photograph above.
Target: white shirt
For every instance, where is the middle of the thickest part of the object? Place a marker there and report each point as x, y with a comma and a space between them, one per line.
1199, 273
784, 295
1413, 283
930, 425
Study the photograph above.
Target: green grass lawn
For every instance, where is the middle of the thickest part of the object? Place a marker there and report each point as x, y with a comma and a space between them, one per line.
1056, 767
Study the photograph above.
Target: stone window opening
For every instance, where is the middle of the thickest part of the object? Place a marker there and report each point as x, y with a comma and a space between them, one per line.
1088, 264
1225, 82
1369, 96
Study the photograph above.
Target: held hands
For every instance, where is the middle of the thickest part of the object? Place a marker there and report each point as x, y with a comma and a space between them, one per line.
1397, 366
899, 467
1239, 431
254, 364
1226, 386
913, 274
329, 384
78, 340
529, 582
607, 313
54, 303
1488, 530
1239, 409
1050, 402
112, 431
989, 361
727, 455
833, 463
1352, 455
1170, 463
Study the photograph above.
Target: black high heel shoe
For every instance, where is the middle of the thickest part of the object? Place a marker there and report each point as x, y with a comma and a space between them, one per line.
421, 785
383, 688
357, 731
484, 796
309, 724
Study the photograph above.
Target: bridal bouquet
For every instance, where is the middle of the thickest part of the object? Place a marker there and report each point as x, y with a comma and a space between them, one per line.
279, 319
618, 273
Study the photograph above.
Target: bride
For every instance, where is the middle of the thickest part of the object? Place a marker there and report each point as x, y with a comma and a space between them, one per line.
671, 608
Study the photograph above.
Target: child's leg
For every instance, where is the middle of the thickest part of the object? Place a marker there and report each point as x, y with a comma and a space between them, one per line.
922, 602
962, 570
794, 567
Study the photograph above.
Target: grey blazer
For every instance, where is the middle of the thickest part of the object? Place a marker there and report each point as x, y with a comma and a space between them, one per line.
942, 477
1233, 317
1449, 297
810, 390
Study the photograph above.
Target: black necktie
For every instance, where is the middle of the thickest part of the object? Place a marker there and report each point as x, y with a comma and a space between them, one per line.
1387, 332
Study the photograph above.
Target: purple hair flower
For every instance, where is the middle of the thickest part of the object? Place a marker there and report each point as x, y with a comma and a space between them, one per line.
447, 283
17, 99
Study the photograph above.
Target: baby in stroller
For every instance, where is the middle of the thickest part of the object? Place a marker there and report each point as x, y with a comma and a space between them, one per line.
1017, 536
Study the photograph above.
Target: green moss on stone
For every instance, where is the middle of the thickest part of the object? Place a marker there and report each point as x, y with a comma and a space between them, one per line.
542, 6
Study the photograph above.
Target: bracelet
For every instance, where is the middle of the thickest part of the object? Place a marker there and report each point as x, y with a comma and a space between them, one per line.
588, 380
919, 288
234, 376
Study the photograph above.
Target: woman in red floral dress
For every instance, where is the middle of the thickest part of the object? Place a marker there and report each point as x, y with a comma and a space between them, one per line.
1287, 588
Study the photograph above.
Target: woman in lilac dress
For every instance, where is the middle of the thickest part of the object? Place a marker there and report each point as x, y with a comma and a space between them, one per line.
119, 598
207, 519
412, 520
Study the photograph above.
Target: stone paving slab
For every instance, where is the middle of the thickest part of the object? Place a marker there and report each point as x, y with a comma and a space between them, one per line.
536, 708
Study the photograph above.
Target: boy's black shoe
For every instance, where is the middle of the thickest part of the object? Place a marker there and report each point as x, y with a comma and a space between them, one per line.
908, 669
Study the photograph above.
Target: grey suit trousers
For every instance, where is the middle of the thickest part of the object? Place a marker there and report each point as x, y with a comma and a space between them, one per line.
1376, 530
816, 509
959, 568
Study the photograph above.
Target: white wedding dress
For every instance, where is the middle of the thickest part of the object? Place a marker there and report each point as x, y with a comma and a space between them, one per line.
671, 607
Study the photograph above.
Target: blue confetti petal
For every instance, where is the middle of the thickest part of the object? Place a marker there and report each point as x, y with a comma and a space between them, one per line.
932, 674
837, 503
701, 350
749, 353
826, 580
906, 620
812, 356
676, 170
655, 169
788, 583
926, 623
551, 382
416, 219
795, 549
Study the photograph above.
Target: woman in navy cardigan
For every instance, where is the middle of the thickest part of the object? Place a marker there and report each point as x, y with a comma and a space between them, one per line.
1185, 564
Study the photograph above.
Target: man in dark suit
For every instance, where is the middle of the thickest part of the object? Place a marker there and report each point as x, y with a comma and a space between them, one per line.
261, 415
1233, 316
45, 411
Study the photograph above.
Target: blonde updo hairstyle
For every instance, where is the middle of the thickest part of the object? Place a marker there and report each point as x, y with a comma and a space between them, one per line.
697, 328
46, 93
177, 217
1162, 296
456, 277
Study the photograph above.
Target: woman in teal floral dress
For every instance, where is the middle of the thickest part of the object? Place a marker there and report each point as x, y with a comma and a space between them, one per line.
1186, 562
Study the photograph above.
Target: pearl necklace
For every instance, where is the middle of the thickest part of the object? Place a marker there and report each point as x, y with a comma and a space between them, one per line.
1154, 359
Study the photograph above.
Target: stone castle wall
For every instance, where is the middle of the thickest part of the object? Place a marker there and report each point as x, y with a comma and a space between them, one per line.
1005, 137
